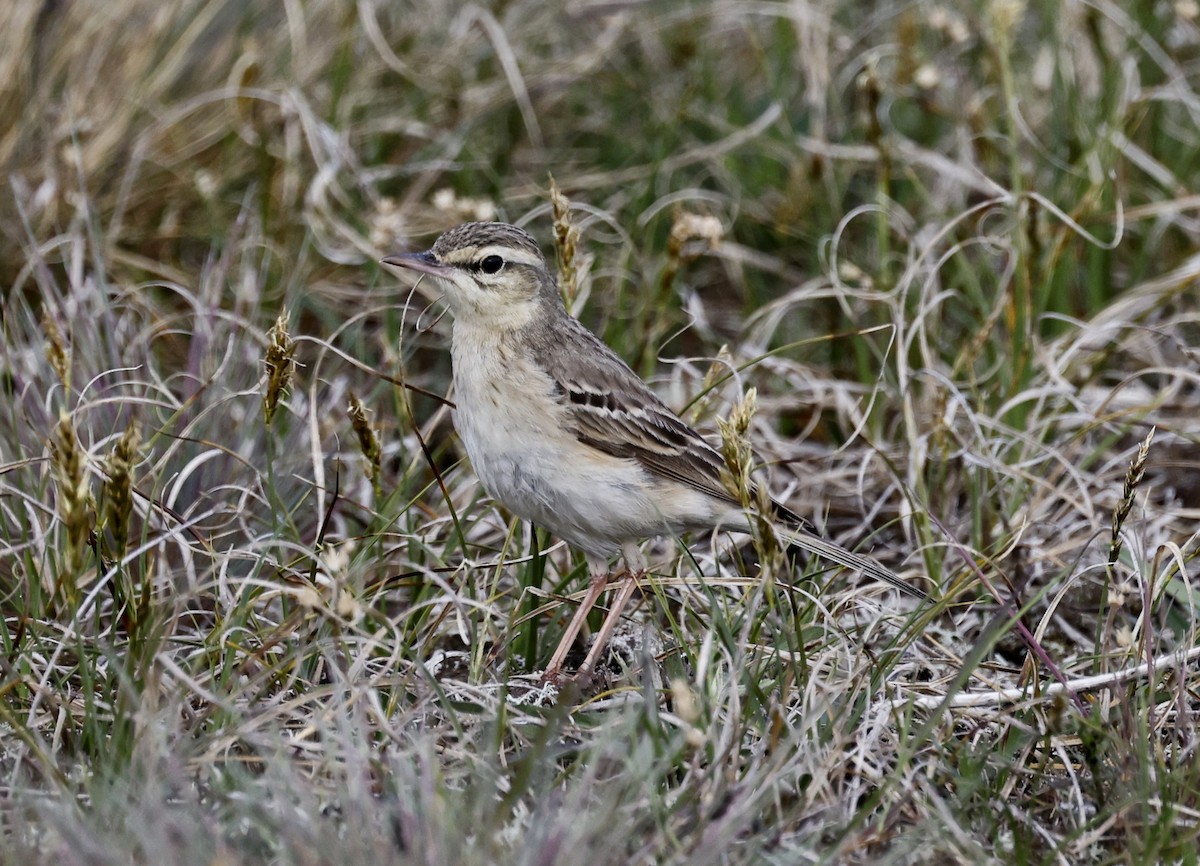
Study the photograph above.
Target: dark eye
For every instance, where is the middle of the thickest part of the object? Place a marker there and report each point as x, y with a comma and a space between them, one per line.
491, 264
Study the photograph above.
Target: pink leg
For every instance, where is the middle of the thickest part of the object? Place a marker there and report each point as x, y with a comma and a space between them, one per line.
598, 583
610, 622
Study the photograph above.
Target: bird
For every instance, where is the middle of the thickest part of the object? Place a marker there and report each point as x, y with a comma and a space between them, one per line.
563, 433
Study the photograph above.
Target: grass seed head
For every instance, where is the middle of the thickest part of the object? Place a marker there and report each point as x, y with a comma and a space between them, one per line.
1133, 477
118, 487
692, 235
280, 364
737, 476
735, 448
57, 351
76, 505
1005, 17
368, 437
720, 367
566, 244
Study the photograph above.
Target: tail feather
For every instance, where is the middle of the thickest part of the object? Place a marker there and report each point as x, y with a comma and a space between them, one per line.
815, 544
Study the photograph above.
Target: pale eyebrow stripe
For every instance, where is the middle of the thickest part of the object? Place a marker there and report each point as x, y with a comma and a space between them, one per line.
509, 254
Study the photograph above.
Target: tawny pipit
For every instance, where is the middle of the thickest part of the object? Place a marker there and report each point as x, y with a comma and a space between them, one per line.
562, 432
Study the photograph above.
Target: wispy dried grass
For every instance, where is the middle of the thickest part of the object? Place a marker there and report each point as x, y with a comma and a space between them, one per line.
957, 327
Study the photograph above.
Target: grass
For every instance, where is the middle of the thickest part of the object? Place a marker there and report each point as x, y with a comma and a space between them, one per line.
257, 609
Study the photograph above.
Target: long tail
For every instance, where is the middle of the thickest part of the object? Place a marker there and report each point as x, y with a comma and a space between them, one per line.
817, 545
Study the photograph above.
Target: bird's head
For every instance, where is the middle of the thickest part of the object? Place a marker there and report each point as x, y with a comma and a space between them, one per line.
493, 274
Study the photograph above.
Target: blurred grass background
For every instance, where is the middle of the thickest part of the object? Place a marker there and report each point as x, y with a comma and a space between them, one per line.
956, 259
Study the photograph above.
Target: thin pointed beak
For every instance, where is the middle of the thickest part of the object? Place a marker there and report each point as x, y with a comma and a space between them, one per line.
423, 262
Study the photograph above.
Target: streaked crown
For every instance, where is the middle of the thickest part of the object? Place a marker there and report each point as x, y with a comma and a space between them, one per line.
471, 242
493, 275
